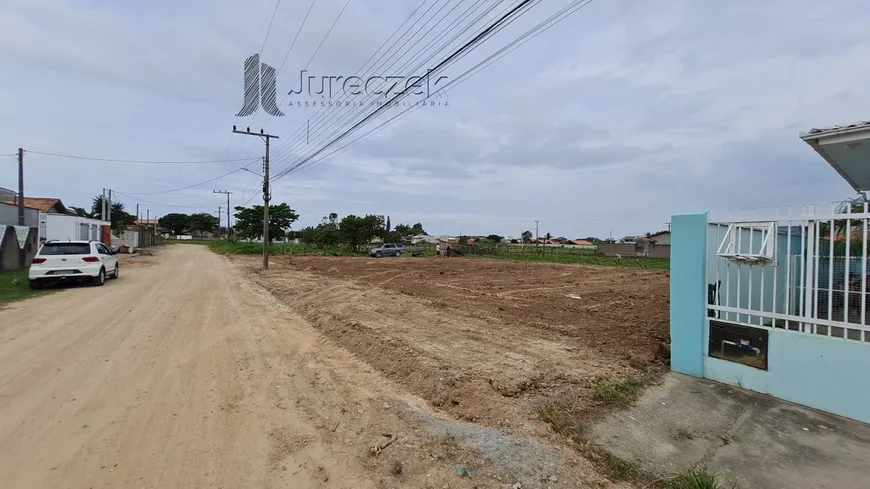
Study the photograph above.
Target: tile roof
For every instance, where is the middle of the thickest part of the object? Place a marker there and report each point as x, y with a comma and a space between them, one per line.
43, 204
838, 128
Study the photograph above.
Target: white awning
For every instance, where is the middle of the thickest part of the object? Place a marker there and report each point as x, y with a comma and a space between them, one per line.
847, 149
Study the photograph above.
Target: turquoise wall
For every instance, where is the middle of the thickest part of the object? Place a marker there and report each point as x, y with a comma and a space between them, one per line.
821, 372
830, 374
688, 292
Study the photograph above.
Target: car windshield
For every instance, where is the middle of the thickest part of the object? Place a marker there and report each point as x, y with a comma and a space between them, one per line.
66, 249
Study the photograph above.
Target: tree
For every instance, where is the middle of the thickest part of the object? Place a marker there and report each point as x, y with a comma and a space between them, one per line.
120, 219
358, 231
326, 234
176, 223
403, 230
527, 237
81, 211
548, 236
854, 228
307, 235
494, 238
249, 221
463, 240
417, 229
388, 224
203, 222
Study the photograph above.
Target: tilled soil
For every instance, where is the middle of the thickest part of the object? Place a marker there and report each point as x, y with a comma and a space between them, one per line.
484, 341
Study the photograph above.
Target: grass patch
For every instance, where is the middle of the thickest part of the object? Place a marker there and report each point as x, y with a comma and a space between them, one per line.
276, 249
622, 394
583, 259
560, 419
682, 434
622, 470
694, 479
15, 286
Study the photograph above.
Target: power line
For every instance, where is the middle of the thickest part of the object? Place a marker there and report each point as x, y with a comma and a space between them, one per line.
277, 4
322, 40
298, 133
152, 162
342, 119
515, 12
277, 73
527, 36
210, 206
196, 184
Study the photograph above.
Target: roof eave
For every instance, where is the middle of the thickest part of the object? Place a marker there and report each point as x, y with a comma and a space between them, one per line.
816, 141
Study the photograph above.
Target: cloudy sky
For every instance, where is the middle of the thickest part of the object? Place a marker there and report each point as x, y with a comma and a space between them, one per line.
613, 120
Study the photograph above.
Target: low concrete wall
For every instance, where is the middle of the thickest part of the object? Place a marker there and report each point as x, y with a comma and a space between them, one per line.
630, 249
612, 249
10, 251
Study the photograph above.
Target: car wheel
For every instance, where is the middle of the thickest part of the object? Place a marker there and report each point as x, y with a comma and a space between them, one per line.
117, 271
398, 253
101, 278
35, 285
377, 254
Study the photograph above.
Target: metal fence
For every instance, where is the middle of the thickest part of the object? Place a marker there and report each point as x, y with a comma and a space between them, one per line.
804, 270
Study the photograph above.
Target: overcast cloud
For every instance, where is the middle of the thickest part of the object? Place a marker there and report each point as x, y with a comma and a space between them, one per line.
624, 114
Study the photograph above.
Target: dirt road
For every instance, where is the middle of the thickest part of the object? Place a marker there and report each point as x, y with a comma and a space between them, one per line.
185, 373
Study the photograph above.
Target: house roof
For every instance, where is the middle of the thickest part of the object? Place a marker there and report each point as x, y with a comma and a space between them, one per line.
580, 242
846, 148
146, 221
42, 203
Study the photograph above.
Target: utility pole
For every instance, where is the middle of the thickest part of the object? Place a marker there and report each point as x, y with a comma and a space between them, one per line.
103, 206
109, 208
536, 232
22, 252
228, 210
266, 196
21, 187
137, 215
219, 222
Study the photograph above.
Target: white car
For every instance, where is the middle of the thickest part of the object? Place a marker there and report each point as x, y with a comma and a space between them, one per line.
72, 261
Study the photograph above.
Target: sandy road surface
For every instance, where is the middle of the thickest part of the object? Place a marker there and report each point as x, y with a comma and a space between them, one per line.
183, 373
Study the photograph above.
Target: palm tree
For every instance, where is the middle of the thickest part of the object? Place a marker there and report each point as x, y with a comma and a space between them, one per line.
854, 228
80, 211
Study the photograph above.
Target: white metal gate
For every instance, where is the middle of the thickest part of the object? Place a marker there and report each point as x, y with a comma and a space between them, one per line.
805, 271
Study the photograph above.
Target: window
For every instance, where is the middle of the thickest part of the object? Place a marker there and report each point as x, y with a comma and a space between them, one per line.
51, 249
101, 249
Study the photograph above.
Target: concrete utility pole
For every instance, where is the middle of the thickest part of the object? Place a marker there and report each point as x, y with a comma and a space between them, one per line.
228, 210
103, 206
21, 186
536, 232
22, 252
219, 222
109, 209
266, 197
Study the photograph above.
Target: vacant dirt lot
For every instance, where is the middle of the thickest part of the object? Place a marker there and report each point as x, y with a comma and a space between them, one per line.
186, 373
486, 341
